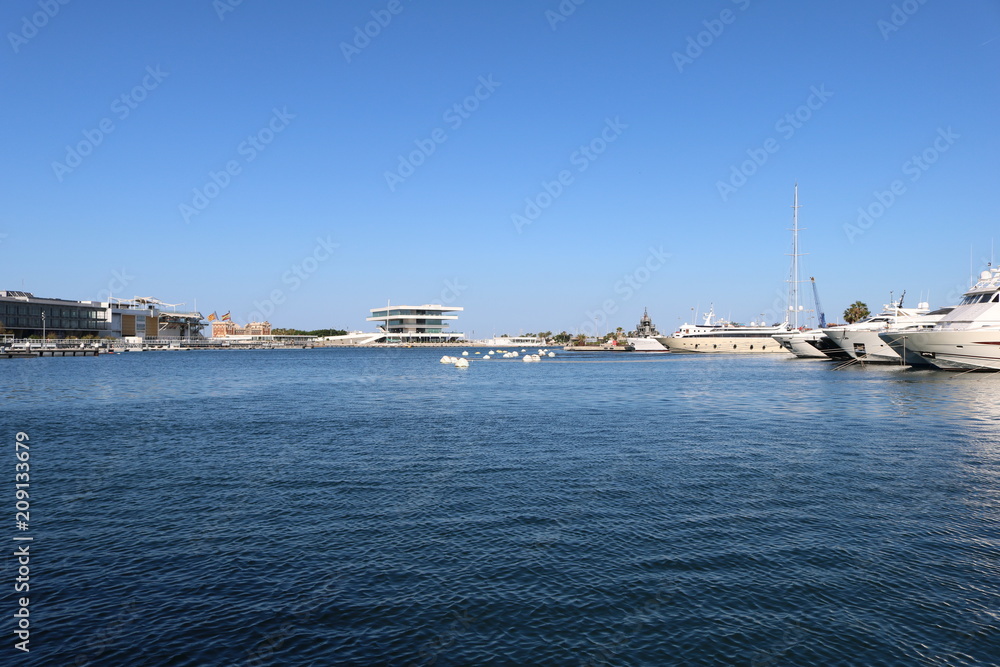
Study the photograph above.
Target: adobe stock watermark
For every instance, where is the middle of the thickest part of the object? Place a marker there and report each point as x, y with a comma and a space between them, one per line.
451, 292
454, 116
786, 127
609, 652
714, 28
248, 149
563, 11
119, 281
901, 13
626, 288
913, 169
363, 35
958, 290
122, 107
223, 7
294, 277
581, 158
30, 25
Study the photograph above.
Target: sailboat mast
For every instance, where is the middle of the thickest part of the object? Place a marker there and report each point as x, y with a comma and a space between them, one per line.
793, 286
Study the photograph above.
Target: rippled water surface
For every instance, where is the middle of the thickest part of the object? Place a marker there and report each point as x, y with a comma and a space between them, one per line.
368, 507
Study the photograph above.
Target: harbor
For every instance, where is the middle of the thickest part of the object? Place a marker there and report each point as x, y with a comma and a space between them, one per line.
666, 488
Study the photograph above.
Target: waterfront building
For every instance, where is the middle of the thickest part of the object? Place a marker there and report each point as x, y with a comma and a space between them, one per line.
24, 315
416, 324
146, 318
228, 329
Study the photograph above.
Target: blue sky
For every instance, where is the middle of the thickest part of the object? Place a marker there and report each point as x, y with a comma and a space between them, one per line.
271, 159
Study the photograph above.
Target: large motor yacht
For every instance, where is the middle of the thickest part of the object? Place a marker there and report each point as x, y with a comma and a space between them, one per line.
723, 336
968, 337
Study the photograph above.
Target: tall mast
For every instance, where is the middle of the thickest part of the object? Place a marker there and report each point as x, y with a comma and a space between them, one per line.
793, 283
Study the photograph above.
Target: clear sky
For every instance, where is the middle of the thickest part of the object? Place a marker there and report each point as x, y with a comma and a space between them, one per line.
544, 164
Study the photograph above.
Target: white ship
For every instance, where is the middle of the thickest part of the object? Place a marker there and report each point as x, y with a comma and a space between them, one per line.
723, 336
968, 337
644, 338
861, 340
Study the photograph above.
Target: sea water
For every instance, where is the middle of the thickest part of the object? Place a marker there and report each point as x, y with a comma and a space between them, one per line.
373, 506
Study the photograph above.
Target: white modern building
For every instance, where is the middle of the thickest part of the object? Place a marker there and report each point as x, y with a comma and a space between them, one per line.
514, 341
416, 324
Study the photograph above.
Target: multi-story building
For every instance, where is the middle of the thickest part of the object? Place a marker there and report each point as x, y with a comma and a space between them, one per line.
416, 324
228, 329
24, 315
148, 319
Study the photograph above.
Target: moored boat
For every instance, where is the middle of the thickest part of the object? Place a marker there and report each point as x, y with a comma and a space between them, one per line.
725, 337
644, 338
861, 340
803, 343
966, 338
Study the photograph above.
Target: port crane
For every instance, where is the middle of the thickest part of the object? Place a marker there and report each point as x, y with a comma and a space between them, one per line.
819, 309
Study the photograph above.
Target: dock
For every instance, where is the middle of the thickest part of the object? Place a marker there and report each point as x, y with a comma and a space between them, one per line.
599, 348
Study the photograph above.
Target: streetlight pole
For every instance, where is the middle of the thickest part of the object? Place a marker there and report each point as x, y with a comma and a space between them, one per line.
43, 327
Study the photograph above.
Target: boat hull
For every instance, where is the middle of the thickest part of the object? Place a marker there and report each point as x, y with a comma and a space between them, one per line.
863, 345
800, 343
647, 344
722, 344
975, 349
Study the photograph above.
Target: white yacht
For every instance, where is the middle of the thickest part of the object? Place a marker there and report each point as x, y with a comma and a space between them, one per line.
757, 338
861, 340
643, 339
968, 337
805, 344
723, 336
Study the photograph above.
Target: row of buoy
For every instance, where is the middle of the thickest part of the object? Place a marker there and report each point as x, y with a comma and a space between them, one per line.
462, 362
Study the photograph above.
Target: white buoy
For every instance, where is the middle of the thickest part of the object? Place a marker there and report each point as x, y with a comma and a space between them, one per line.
461, 363
465, 353
485, 357
492, 352
527, 358
552, 354
447, 360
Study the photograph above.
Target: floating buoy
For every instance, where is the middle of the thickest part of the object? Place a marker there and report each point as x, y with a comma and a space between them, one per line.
465, 353
485, 357
552, 354
461, 363
447, 360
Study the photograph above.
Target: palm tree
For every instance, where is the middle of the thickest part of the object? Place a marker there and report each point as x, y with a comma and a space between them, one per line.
580, 340
855, 312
